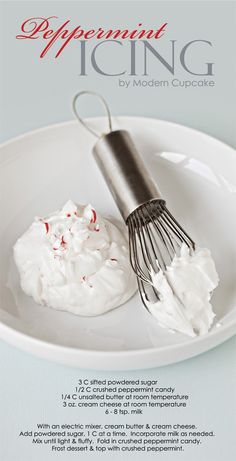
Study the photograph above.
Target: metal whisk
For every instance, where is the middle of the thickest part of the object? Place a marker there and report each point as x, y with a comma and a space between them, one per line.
155, 236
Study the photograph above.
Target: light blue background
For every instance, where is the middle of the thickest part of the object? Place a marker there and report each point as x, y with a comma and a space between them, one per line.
36, 93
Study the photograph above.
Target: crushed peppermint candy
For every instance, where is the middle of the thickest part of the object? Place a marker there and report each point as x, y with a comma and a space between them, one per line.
75, 260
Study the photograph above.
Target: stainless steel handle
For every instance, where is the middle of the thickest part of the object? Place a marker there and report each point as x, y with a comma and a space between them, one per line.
125, 172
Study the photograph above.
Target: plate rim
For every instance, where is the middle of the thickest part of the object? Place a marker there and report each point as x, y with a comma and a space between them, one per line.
44, 128
222, 328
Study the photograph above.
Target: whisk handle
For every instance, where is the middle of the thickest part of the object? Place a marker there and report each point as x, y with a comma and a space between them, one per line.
125, 172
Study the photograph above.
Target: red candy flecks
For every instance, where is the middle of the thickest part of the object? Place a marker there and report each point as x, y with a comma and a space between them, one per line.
94, 217
84, 278
63, 242
47, 226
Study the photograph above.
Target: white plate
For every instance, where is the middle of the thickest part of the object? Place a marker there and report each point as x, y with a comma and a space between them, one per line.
41, 170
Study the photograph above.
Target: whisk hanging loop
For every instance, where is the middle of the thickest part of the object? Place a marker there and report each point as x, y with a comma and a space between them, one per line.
82, 121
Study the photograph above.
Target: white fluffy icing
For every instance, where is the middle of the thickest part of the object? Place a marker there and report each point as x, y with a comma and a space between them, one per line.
75, 260
185, 290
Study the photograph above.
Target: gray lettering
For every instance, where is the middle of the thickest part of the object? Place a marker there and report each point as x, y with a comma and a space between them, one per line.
182, 58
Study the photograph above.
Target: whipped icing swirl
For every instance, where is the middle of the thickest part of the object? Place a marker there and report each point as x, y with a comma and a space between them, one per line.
185, 290
75, 260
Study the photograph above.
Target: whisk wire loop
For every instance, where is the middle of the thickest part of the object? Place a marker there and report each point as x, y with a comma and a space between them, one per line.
155, 237
82, 121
